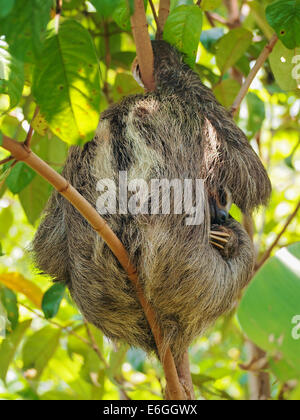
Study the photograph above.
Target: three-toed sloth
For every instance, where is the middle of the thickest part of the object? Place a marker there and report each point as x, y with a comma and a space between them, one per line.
178, 132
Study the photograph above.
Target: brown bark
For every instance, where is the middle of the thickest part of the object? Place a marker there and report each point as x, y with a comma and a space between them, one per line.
163, 13
143, 45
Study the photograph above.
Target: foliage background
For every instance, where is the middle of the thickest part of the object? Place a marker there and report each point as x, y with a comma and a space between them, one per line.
47, 351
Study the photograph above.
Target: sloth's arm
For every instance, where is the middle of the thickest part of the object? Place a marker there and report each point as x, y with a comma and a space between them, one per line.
235, 164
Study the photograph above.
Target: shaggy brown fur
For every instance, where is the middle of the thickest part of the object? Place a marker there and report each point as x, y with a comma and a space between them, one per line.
178, 131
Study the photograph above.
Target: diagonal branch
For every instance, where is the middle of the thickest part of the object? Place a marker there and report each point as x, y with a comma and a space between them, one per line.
22, 153
275, 243
259, 63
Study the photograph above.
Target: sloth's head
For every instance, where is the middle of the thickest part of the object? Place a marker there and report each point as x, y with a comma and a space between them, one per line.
220, 203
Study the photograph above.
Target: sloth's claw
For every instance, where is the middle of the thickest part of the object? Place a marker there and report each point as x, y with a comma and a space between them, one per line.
219, 238
218, 233
217, 245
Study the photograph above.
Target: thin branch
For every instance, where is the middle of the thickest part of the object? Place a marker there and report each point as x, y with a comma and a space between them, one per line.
211, 16
65, 328
163, 13
155, 15
6, 160
22, 153
27, 141
59, 4
259, 63
234, 13
143, 45
275, 243
95, 345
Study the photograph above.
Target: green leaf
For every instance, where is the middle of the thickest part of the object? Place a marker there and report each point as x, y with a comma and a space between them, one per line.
6, 221
231, 47
284, 17
39, 349
125, 85
67, 83
9, 300
105, 7
6, 7
226, 92
285, 66
34, 198
137, 358
210, 37
258, 12
269, 308
52, 300
72, 4
210, 4
19, 177
256, 113
183, 29
1, 250
25, 26
11, 76
122, 13
9, 347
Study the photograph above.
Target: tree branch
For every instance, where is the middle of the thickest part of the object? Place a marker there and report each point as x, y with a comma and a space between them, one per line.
143, 45
155, 15
163, 13
30, 131
275, 243
259, 63
22, 153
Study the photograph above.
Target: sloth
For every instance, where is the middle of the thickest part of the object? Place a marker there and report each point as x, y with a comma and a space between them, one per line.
191, 274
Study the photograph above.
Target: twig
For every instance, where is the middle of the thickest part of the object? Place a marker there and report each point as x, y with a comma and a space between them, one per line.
22, 153
274, 244
155, 15
30, 131
95, 345
65, 328
215, 17
259, 63
163, 13
59, 4
6, 160
234, 13
143, 45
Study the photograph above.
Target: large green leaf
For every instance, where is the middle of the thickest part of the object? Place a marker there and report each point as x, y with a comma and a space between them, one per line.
210, 4
226, 92
67, 82
231, 47
39, 348
285, 66
52, 299
9, 347
19, 177
269, 309
25, 25
11, 76
9, 300
183, 29
6, 7
284, 17
105, 7
256, 113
